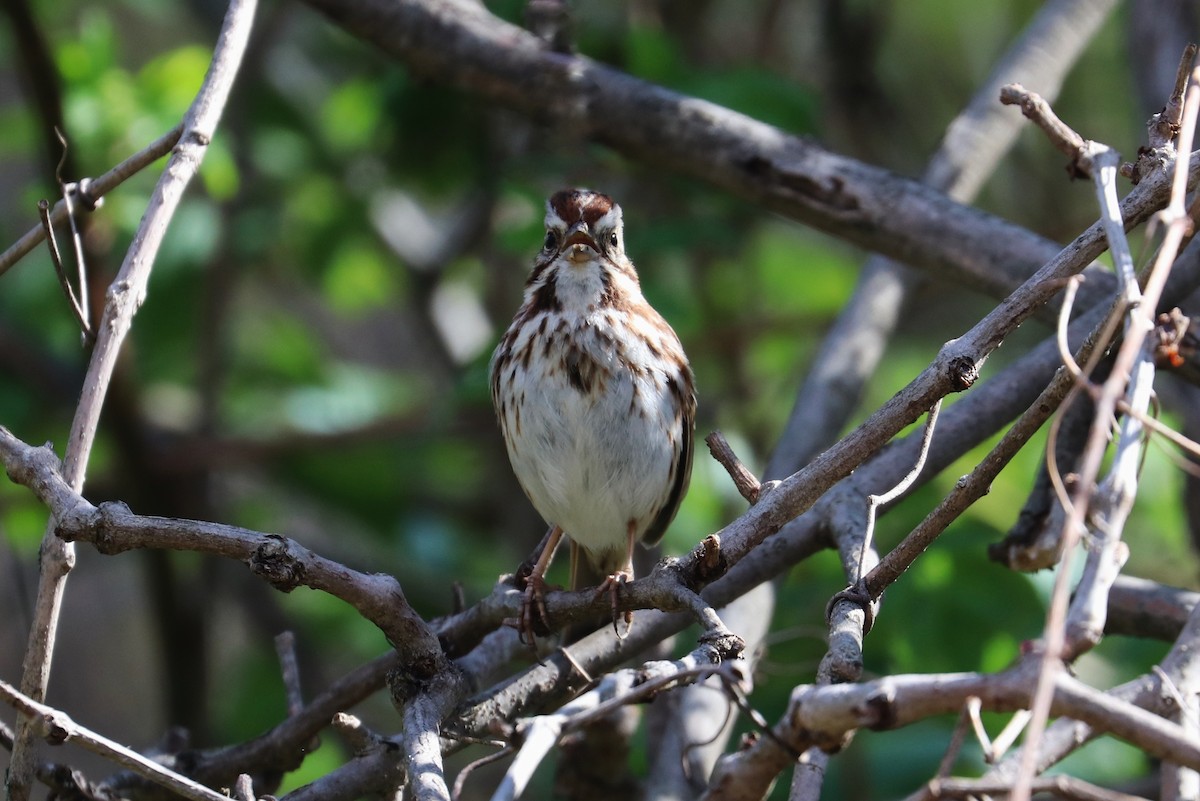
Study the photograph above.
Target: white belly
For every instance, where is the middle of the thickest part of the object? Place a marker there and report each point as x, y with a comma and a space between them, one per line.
595, 462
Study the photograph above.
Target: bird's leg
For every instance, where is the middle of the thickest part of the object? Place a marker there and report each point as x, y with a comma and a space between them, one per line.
535, 586
526, 567
617, 579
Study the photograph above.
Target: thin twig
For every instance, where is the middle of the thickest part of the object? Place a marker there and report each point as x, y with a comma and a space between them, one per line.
1009, 734
58, 728
957, 738
875, 501
89, 334
243, 788
1140, 324
68, 190
124, 298
1102, 340
994, 749
1065, 787
460, 780
81, 315
1061, 135
289, 666
745, 481
1164, 126
1064, 321
92, 191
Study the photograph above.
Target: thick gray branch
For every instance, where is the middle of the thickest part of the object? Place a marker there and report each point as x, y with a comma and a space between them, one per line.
460, 43
824, 716
285, 564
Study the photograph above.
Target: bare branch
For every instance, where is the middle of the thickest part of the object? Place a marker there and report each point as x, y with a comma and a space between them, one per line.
955, 370
80, 311
285, 649
95, 189
962, 425
464, 45
903, 486
974, 143
1061, 135
784, 174
632, 685
1059, 786
1141, 608
282, 562
822, 716
1164, 126
1063, 737
423, 705
1056, 645
58, 728
124, 298
747, 485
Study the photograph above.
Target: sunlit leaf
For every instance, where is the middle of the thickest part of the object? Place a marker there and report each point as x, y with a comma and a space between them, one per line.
359, 278
351, 115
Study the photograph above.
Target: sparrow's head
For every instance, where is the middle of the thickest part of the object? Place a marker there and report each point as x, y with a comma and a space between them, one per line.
582, 226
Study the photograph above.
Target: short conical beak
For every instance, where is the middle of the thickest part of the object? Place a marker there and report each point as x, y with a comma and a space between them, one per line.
578, 243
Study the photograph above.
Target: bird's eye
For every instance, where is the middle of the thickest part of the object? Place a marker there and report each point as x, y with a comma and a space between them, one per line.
551, 241
612, 239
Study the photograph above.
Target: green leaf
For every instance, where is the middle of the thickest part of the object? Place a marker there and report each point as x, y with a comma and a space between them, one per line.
351, 116
169, 83
360, 278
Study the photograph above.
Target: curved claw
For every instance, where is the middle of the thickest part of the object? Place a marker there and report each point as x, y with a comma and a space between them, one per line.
533, 599
535, 589
612, 585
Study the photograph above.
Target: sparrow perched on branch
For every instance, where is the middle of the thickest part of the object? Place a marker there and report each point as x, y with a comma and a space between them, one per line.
595, 399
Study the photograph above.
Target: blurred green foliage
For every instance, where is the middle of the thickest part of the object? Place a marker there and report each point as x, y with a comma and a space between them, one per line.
312, 355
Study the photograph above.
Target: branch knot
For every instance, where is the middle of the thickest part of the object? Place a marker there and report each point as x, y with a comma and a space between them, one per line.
104, 522
709, 560
274, 562
963, 372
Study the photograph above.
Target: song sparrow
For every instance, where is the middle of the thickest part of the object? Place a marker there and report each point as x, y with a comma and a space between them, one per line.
595, 398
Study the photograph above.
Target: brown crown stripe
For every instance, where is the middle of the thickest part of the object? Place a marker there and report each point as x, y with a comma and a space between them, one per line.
573, 205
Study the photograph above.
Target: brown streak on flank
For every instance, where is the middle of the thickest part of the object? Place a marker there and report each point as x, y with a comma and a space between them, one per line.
498, 371
614, 297
504, 364
683, 395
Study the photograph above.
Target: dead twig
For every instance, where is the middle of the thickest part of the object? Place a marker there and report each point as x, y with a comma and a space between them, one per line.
1061, 135
745, 481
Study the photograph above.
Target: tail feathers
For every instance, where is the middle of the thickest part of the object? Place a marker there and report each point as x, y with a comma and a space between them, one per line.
583, 573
